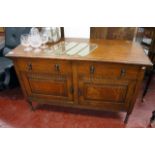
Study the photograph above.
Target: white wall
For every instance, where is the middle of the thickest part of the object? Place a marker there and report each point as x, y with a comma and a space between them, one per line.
77, 32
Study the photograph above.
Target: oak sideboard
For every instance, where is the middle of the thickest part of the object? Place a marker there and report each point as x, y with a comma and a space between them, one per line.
106, 78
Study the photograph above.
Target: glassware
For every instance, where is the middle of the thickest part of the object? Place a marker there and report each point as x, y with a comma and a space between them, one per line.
54, 33
34, 31
25, 41
35, 39
47, 30
44, 38
35, 42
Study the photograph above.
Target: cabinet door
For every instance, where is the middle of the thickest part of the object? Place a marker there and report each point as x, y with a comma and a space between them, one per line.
48, 86
106, 93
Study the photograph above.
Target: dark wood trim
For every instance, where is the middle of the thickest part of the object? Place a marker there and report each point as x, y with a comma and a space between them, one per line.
62, 32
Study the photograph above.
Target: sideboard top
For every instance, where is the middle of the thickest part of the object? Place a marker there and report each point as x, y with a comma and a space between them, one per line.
116, 51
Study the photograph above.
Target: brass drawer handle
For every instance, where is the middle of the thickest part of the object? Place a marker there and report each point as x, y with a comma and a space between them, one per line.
92, 69
29, 67
123, 72
57, 67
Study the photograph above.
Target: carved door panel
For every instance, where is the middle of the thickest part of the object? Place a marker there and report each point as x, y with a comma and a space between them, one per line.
48, 85
106, 93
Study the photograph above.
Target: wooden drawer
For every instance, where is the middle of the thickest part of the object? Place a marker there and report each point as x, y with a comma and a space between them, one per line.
105, 70
44, 66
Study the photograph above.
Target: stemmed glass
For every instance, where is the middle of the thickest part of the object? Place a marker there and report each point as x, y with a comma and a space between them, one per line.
35, 42
25, 41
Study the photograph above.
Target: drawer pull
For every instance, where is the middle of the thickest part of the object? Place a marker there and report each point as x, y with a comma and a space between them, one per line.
123, 71
29, 67
57, 67
92, 69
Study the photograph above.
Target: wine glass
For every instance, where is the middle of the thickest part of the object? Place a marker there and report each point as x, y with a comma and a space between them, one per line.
25, 41
35, 42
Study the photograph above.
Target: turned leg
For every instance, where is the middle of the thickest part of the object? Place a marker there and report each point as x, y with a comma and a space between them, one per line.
31, 105
126, 118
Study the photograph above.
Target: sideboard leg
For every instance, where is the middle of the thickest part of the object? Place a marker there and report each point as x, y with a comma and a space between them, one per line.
30, 103
126, 118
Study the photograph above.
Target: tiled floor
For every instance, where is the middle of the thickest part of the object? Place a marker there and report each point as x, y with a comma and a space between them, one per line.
15, 112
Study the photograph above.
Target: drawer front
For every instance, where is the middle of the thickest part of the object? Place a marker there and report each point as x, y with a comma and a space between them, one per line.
105, 70
44, 66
